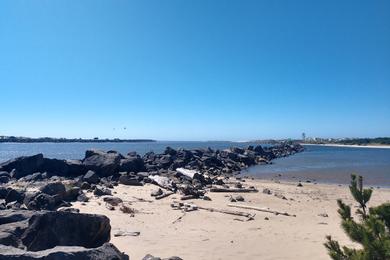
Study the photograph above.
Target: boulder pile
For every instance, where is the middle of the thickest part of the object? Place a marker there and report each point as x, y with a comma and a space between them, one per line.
36, 193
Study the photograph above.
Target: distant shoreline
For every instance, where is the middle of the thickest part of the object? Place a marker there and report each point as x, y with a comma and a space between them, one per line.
350, 145
65, 140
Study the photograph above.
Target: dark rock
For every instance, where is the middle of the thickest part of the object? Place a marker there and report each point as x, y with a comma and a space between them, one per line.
4, 179
129, 180
54, 188
299, 185
104, 164
82, 197
85, 186
55, 228
132, 164
14, 195
32, 177
101, 191
267, 191
157, 192
112, 200
3, 192
43, 202
91, 177
105, 252
72, 193
239, 198
23, 166
72, 210
170, 151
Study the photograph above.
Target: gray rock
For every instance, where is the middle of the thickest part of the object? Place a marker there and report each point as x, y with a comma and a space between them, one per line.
129, 180
104, 164
49, 229
105, 252
113, 201
101, 191
132, 164
23, 166
91, 177
14, 195
54, 188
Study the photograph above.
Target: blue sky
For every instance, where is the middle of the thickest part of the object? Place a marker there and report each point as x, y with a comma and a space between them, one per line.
195, 70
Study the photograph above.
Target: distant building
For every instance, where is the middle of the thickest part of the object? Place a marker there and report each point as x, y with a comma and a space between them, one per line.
303, 137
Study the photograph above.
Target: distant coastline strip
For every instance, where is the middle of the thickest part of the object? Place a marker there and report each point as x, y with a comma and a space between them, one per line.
13, 139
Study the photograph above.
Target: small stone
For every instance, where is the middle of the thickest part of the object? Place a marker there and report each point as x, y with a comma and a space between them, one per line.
239, 198
267, 191
157, 192
299, 185
266, 218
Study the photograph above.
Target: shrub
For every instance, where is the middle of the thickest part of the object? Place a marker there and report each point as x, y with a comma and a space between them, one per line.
371, 230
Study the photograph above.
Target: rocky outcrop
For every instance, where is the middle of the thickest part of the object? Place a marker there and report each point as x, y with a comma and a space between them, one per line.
105, 252
104, 164
55, 235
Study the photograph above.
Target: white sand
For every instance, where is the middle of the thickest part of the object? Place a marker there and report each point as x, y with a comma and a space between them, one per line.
352, 145
211, 235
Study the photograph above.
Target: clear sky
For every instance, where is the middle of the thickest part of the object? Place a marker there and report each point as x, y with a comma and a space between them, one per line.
195, 70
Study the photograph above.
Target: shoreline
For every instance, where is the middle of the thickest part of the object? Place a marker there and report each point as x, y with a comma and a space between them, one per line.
350, 145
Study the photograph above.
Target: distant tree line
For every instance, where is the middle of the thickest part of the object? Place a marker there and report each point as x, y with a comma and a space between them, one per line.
14, 139
366, 141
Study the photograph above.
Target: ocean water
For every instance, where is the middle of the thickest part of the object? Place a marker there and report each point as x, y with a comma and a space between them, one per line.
316, 163
327, 164
77, 150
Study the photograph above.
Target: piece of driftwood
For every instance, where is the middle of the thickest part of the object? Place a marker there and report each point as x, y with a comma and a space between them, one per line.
162, 181
121, 233
179, 218
261, 209
188, 197
230, 212
192, 174
236, 190
166, 194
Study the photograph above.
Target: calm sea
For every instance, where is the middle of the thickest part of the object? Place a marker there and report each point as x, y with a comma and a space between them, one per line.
316, 163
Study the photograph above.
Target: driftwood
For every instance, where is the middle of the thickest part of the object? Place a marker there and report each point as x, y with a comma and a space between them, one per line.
230, 212
261, 209
166, 194
179, 218
162, 181
237, 190
192, 174
188, 197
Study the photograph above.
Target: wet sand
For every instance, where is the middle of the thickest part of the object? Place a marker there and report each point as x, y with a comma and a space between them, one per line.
202, 234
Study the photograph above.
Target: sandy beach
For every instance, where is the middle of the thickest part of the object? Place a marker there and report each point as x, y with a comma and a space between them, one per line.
351, 145
202, 234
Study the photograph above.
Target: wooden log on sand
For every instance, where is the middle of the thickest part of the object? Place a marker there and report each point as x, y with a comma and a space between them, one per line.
230, 212
192, 174
166, 194
162, 181
237, 190
261, 209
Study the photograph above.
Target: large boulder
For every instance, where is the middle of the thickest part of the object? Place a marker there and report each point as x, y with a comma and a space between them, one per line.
104, 164
54, 188
51, 229
24, 165
105, 252
132, 164
12, 225
67, 168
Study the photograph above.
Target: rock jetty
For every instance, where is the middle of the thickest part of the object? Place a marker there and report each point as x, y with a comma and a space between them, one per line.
36, 194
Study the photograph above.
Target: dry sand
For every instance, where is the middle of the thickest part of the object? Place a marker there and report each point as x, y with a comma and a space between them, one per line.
210, 235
